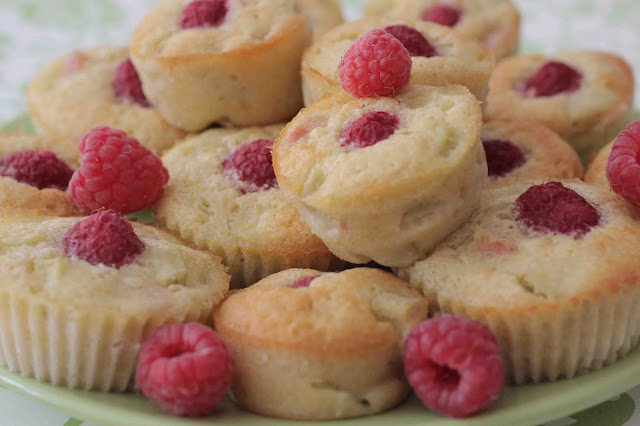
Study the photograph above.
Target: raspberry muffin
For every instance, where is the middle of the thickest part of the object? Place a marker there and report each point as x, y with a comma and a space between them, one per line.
525, 150
494, 23
96, 87
79, 297
596, 173
313, 346
585, 97
384, 179
230, 62
551, 268
440, 56
223, 197
321, 14
34, 175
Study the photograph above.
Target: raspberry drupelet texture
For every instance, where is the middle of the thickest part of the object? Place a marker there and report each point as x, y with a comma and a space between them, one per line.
454, 365
204, 13
116, 173
185, 368
552, 207
503, 156
252, 166
376, 65
104, 238
42, 169
126, 84
443, 14
551, 79
303, 283
413, 40
623, 166
369, 129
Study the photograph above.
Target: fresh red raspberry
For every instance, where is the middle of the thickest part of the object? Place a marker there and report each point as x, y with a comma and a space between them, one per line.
204, 13
42, 169
126, 84
503, 156
552, 207
551, 79
623, 166
303, 283
252, 165
413, 40
185, 368
454, 365
116, 173
443, 14
376, 65
105, 238
369, 129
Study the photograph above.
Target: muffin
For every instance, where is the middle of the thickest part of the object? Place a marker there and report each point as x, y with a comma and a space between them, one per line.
440, 56
240, 67
321, 14
77, 93
494, 23
384, 179
552, 270
585, 97
520, 151
34, 175
596, 173
69, 319
223, 197
313, 346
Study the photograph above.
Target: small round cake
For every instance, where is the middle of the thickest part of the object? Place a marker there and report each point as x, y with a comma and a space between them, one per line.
440, 56
585, 97
96, 87
223, 197
494, 23
596, 173
34, 175
551, 268
384, 179
222, 61
309, 345
78, 298
322, 15
519, 151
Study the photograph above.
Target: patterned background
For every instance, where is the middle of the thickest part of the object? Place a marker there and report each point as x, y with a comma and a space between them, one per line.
33, 32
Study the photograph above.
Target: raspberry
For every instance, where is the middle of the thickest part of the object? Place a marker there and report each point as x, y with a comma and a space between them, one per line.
104, 238
551, 79
623, 166
42, 169
204, 13
503, 156
303, 283
369, 129
552, 207
413, 40
116, 173
185, 368
376, 65
252, 165
454, 365
126, 84
443, 15
74, 63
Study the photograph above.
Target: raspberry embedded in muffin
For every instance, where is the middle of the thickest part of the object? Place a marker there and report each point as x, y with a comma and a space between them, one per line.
412, 40
304, 282
503, 156
552, 207
443, 14
127, 85
553, 78
368, 130
40, 169
252, 166
204, 13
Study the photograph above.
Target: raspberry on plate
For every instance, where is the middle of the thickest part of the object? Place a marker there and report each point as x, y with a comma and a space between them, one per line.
116, 173
454, 365
376, 65
623, 166
41, 169
185, 368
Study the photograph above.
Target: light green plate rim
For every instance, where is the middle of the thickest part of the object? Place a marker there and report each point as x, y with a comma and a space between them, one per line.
518, 405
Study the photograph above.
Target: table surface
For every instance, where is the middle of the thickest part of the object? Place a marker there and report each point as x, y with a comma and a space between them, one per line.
33, 32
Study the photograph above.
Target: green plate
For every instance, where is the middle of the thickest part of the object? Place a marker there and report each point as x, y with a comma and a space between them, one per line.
518, 405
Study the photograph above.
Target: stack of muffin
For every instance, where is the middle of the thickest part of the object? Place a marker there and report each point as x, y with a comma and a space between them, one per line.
465, 181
